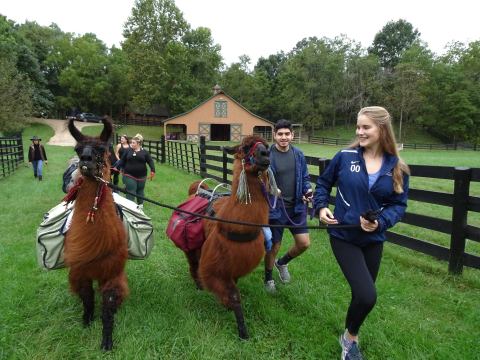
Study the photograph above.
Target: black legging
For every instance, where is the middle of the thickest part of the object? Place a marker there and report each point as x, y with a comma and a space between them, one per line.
360, 266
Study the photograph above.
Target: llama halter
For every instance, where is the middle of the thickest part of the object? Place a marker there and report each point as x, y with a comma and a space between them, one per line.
243, 193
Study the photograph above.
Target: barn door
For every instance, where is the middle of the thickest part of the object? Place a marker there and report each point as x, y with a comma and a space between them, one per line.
236, 132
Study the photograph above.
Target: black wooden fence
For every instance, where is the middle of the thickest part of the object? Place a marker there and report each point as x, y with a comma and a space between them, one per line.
212, 162
217, 166
11, 154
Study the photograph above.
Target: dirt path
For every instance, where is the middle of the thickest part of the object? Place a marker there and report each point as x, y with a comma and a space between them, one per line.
62, 136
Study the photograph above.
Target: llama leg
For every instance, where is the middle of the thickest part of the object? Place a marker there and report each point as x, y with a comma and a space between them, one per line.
193, 258
109, 308
113, 293
84, 288
236, 306
87, 295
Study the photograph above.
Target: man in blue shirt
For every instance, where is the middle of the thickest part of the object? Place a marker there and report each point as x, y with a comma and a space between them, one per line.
291, 174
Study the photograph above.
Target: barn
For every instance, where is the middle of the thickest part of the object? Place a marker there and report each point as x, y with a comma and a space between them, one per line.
219, 118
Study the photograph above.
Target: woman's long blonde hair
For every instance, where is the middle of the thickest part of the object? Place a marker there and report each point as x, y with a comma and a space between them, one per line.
383, 120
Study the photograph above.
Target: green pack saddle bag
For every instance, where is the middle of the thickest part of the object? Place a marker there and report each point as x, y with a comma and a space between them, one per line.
52, 230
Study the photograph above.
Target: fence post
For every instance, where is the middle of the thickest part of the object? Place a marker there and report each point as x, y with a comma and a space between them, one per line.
224, 165
203, 160
322, 164
162, 149
462, 176
20, 147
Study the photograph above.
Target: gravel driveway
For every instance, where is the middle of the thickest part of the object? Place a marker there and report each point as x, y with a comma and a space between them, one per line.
62, 136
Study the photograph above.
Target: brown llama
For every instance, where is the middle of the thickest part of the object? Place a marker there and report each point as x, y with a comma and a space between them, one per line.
96, 243
231, 251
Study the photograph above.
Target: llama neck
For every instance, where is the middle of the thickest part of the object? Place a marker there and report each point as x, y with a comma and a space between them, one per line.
87, 194
253, 182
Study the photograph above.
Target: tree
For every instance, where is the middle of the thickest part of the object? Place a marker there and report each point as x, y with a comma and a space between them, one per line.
409, 79
171, 64
394, 38
85, 78
15, 47
15, 98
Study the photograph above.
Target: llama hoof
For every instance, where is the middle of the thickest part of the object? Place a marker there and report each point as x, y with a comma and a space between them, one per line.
243, 335
87, 319
198, 285
107, 345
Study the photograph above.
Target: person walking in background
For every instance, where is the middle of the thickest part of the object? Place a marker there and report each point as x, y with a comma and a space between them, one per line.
116, 154
133, 164
372, 187
36, 157
291, 174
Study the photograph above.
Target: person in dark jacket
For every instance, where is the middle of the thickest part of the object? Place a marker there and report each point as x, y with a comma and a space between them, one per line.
370, 177
36, 157
291, 174
133, 165
116, 154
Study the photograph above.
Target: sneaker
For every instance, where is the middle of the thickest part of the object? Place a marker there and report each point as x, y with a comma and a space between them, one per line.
350, 350
283, 272
270, 286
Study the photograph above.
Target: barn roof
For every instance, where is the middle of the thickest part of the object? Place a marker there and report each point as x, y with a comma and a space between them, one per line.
220, 92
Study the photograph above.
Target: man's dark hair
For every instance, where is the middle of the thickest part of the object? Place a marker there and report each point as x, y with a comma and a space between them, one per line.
283, 124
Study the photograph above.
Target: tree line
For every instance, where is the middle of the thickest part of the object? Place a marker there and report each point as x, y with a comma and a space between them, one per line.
165, 62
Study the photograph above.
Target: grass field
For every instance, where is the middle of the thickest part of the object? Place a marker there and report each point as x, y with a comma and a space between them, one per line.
421, 313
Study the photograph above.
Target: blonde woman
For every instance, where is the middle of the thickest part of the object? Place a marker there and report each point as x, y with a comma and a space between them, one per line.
370, 176
133, 164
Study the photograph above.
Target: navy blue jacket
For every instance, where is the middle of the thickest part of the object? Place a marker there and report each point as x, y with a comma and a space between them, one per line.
348, 170
302, 182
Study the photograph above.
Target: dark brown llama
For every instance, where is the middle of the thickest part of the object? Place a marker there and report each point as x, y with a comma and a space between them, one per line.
96, 243
231, 251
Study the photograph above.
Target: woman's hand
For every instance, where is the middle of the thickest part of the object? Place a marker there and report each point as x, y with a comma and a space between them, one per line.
152, 175
326, 216
367, 225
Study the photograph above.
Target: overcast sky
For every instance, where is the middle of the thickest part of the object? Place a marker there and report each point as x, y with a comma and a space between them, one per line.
264, 27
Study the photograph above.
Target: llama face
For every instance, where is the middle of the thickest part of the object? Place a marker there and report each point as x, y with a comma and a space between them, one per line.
260, 157
91, 157
91, 150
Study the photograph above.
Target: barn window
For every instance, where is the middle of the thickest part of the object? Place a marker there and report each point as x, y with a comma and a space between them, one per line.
220, 108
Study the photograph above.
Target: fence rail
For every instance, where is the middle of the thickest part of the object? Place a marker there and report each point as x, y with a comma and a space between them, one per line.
321, 140
11, 154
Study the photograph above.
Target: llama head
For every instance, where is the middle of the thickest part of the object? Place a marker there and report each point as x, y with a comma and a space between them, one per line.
92, 151
254, 151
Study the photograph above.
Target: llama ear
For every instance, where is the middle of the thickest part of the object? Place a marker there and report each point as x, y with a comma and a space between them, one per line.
77, 135
107, 129
230, 149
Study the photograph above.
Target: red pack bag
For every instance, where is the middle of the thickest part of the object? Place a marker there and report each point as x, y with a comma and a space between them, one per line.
186, 230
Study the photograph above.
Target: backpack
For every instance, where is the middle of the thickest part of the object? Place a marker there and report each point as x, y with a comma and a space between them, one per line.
52, 230
186, 230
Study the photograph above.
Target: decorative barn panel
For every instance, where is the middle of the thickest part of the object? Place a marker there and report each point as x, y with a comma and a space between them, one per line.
236, 132
204, 130
221, 108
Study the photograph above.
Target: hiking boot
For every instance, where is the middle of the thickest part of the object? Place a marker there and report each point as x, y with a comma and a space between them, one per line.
40, 177
350, 350
283, 272
270, 286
